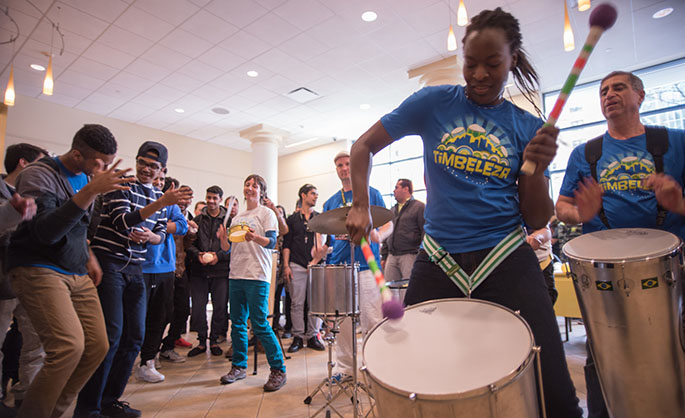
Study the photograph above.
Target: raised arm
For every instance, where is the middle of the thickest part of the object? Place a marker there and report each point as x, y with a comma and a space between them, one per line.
359, 217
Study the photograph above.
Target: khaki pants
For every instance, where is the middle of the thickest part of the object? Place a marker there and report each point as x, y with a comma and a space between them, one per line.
66, 314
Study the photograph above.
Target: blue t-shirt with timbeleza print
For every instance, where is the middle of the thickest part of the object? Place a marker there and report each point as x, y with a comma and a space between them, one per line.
620, 170
472, 155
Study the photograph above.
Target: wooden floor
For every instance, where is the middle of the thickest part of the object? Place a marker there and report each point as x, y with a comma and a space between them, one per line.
192, 389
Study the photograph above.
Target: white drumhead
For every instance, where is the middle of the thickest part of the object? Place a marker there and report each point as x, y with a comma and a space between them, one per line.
448, 346
622, 244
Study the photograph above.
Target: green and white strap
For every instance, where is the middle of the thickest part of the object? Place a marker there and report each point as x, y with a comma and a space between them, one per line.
467, 284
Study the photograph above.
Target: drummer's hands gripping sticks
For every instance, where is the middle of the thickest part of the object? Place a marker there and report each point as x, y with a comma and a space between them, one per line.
602, 18
391, 308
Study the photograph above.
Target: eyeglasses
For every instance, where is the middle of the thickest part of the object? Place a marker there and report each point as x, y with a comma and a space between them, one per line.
152, 166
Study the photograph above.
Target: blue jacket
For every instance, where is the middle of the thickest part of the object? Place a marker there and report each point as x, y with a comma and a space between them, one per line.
162, 258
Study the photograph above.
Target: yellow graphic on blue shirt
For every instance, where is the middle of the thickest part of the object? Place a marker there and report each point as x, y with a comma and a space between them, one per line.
473, 151
625, 172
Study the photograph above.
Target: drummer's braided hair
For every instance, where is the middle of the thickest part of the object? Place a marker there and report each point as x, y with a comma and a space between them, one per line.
262, 186
525, 75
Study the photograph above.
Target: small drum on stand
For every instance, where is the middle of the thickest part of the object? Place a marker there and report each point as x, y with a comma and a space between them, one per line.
332, 290
398, 288
628, 283
483, 366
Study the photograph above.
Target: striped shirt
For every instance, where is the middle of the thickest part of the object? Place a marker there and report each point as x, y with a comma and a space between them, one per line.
120, 214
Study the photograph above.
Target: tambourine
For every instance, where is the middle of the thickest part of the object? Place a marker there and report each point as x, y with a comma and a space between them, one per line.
237, 232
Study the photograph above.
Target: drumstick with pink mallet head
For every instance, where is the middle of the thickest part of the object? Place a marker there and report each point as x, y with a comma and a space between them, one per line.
601, 19
391, 308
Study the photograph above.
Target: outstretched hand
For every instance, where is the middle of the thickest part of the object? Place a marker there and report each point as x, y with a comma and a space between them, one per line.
26, 206
108, 180
174, 195
667, 191
588, 199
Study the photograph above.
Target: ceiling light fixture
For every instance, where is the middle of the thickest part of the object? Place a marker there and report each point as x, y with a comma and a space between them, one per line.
306, 141
37, 67
451, 39
221, 111
179, 110
252, 73
462, 16
9, 91
365, 106
569, 44
369, 16
583, 5
662, 13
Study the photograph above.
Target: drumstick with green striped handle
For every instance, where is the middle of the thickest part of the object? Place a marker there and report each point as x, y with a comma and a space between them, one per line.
601, 19
391, 308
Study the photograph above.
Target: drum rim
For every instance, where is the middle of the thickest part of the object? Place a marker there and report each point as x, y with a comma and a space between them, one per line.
667, 252
503, 382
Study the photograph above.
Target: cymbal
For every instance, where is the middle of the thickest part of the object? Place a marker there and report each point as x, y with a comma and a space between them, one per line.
333, 221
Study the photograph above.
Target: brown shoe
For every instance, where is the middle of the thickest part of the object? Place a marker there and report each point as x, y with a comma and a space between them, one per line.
276, 381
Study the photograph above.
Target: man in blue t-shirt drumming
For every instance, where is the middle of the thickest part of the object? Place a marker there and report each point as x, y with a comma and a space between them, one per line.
369, 297
616, 198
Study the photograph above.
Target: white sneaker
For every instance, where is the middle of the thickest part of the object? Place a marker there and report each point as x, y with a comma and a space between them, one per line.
172, 356
148, 373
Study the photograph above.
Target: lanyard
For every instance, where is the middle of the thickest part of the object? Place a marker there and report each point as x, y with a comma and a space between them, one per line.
344, 201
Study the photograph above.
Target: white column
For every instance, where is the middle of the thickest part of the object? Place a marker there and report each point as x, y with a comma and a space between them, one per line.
443, 71
265, 143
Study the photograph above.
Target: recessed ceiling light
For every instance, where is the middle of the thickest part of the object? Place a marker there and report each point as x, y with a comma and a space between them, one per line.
365, 106
37, 67
252, 73
608, 50
179, 110
221, 111
662, 13
369, 16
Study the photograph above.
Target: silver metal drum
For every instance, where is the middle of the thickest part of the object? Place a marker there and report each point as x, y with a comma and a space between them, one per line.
482, 367
398, 288
628, 283
332, 290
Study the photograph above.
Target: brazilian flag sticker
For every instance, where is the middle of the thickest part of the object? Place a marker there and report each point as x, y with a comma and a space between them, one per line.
650, 283
604, 285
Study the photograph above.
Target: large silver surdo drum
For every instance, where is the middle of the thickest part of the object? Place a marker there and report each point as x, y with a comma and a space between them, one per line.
332, 290
628, 283
482, 367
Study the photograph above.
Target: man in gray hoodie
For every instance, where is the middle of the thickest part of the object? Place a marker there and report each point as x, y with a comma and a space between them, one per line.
53, 272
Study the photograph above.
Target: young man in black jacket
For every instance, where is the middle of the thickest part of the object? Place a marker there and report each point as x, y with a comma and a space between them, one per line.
54, 274
208, 274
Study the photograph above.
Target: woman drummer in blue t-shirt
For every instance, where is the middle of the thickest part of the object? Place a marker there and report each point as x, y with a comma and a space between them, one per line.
474, 144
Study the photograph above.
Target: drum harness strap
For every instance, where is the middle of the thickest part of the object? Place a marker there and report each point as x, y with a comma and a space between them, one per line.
657, 145
467, 284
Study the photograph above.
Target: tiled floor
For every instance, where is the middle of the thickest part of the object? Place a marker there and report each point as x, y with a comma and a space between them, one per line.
192, 389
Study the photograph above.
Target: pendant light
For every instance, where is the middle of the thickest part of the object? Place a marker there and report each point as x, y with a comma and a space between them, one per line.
451, 40
462, 16
569, 44
9, 92
583, 5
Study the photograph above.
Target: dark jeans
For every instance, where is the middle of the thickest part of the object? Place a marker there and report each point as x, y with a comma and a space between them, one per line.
123, 301
160, 307
517, 284
200, 288
548, 274
180, 312
596, 408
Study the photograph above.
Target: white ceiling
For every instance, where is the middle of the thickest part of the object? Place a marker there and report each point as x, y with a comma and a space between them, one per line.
138, 60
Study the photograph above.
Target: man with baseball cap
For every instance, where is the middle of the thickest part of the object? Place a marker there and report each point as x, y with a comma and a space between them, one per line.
369, 296
131, 219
